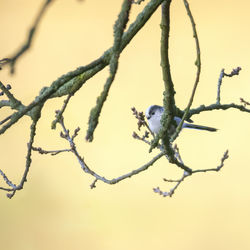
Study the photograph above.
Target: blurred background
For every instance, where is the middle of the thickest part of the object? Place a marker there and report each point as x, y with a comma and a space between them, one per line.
57, 209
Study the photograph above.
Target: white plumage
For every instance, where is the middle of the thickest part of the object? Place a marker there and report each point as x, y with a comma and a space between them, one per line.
154, 113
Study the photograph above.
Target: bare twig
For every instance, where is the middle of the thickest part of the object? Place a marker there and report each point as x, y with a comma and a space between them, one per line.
245, 103
222, 74
160, 192
60, 112
219, 86
65, 135
12, 191
5, 120
93, 184
197, 64
186, 174
178, 182
140, 117
172, 190
177, 153
52, 152
8, 87
136, 136
8, 182
14, 103
234, 72
141, 120
211, 107
137, 2
13, 59
225, 156
11, 102
4, 61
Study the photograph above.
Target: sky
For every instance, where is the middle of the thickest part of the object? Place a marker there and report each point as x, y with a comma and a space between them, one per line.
57, 209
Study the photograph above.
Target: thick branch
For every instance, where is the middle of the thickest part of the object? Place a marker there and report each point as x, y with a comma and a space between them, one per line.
72, 81
119, 28
168, 100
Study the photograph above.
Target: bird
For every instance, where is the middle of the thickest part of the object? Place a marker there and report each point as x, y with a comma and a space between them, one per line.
154, 113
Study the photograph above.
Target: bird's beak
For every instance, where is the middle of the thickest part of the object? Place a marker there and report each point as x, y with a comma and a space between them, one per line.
148, 117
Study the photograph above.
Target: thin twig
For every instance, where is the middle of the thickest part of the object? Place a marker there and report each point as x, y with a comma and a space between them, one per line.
172, 190
197, 64
11, 102
245, 103
224, 157
5, 120
12, 192
137, 2
52, 152
13, 59
219, 86
141, 120
186, 174
178, 182
8, 87
14, 103
211, 107
234, 72
65, 134
60, 112
4, 61
93, 184
136, 136
8, 182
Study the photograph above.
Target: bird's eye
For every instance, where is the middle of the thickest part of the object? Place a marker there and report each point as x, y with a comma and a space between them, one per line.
152, 113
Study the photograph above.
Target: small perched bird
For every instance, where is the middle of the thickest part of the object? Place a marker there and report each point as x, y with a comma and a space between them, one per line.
154, 113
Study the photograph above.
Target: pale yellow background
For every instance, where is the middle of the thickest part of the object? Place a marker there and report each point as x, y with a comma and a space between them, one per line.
57, 209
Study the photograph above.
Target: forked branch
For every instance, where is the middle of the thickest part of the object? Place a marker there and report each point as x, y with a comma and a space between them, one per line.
68, 84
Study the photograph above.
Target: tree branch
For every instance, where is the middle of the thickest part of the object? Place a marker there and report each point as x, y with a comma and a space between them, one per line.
73, 80
14, 188
222, 74
168, 94
197, 64
65, 134
186, 174
13, 59
59, 113
119, 28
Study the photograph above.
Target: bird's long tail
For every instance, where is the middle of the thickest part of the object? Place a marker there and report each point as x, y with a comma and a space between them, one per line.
200, 127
